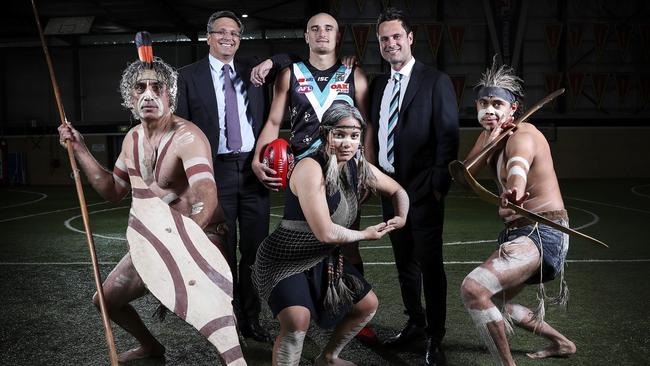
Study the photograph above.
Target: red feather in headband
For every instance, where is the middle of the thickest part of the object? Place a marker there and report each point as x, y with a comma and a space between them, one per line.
145, 50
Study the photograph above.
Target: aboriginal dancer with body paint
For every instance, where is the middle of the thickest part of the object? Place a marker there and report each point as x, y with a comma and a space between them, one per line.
173, 158
528, 252
299, 268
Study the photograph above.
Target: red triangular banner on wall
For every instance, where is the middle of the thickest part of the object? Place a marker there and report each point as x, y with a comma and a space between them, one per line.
624, 33
459, 87
601, 31
553, 34
600, 84
456, 35
622, 85
575, 35
360, 33
552, 82
575, 84
434, 35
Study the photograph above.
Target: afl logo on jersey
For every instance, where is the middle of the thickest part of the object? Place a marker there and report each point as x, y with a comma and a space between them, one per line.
302, 89
341, 87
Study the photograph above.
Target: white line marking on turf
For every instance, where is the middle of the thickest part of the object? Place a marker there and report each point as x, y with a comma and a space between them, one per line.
42, 197
365, 263
70, 227
49, 212
590, 223
450, 243
608, 204
634, 190
568, 261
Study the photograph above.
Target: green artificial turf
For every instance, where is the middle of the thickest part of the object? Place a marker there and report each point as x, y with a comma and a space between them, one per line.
46, 283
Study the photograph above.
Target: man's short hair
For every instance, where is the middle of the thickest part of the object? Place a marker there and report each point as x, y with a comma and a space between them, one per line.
225, 14
392, 13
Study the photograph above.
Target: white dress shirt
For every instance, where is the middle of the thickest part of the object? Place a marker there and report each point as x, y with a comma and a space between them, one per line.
384, 110
246, 126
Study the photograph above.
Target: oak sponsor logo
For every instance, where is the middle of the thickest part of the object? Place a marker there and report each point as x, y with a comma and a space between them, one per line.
341, 87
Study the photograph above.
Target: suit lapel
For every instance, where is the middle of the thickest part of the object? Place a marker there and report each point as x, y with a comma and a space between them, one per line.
412, 88
203, 81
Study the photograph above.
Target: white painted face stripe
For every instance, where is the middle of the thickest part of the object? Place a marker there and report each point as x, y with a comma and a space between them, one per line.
517, 170
487, 279
196, 161
518, 159
200, 176
489, 315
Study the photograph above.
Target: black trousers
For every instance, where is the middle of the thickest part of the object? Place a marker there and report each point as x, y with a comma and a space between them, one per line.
418, 257
245, 202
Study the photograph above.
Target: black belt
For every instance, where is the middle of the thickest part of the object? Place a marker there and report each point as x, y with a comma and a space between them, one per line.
237, 155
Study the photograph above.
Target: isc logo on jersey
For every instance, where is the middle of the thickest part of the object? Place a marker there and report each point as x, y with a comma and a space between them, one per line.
341, 87
302, 89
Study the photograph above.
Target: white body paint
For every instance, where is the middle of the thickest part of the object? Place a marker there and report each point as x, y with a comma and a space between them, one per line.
491, 110
149, 95
518, 159
486, 279
517, 170
519, 313
514, 257
348, 337
290, 348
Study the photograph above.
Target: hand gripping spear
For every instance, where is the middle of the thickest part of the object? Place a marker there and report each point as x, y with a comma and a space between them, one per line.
460, 172
82, 199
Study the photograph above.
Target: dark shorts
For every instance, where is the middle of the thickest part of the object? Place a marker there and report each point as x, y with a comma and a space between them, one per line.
551, 243
308, 289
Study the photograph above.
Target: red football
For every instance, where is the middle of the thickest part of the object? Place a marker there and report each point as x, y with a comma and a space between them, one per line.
277, 156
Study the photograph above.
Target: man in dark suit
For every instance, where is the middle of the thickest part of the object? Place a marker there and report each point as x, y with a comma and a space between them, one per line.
216, 94
414, 137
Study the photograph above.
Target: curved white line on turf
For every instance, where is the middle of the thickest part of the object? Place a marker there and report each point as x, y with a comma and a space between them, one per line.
634, 190
42, 197
608, 204
49, 212
593, 221
70, 227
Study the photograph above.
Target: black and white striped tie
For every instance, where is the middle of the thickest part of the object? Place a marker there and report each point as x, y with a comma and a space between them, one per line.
393, 113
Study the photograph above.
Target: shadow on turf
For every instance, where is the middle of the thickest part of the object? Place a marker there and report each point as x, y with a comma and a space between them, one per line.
399, 356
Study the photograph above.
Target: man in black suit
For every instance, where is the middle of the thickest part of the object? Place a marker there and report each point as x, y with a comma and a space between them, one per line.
414, 137
216, 94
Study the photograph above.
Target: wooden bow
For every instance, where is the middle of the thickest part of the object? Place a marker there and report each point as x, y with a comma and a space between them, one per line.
460, 172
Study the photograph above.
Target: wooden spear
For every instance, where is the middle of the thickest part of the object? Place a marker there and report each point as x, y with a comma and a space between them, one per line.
82, 200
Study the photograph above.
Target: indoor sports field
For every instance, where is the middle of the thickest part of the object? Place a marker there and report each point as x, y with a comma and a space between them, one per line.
46, 283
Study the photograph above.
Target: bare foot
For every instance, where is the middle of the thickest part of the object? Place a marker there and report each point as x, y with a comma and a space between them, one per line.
561, 349
322, 361
141, 352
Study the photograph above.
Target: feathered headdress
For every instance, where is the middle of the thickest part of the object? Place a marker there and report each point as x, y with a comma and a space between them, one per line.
503, 77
